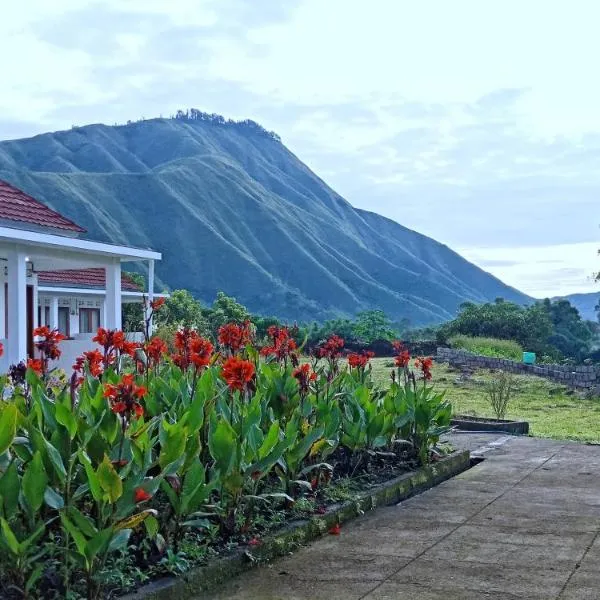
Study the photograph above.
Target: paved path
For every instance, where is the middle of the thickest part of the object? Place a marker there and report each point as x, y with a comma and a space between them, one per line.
524, 523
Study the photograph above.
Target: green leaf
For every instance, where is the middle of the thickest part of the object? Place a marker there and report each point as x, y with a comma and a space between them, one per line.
77, 536
120, 540
9, 489
98, 544
83, 522
53, 499
173, 439
8, 426
221, 442
36, 535
34, 577
34, 482
9, 537
56, 460
151, 524
65, 417
92, 478
109, 480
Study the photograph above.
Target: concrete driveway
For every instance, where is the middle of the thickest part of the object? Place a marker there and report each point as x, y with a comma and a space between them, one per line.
524, 523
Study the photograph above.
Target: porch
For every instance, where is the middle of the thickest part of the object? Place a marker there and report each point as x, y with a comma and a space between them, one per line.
26, 303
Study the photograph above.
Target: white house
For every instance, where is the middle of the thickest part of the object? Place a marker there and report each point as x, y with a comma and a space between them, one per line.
53, 277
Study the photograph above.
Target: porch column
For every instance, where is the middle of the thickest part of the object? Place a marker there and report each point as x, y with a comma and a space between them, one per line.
2, 309
150, 293
17, 307
113, 295
53, 313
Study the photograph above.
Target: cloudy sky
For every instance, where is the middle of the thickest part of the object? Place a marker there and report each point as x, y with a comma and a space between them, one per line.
476, 123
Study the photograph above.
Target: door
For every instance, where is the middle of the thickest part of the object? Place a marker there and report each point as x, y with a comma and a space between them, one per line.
30, 309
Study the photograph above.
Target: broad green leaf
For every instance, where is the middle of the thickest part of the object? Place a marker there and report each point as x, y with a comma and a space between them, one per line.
98, 544
151, 524
109, 480
56, 460
119, 540
65, 417
173, 440
34, 482
83, 522
9, 489
34, 537
53, 499
221, 442
91, 475
8, 426
9, 537
77, 536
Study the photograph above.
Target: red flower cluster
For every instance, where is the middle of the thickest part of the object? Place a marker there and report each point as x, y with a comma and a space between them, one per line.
402, 355
234, 337
141, 495
48, 344
157, 304
424, 365
155, 349
304, 374
124, 397
282, 345
360, 361
94, 360
36, 365
192, 349
114, 344
238, 373
332, 348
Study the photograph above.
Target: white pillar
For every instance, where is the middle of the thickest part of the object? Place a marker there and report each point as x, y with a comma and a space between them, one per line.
150, 292
2, 309
102, 319
17, 307
53, 313
36, 303
113, 295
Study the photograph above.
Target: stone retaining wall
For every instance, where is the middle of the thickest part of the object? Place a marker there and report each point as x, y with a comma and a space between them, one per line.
581, 377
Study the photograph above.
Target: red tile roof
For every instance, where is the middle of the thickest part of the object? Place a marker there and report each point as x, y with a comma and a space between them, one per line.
88, 278
16, 205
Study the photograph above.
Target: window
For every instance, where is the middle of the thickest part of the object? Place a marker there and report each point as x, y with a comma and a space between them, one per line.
89, 320
44, 315
63, 320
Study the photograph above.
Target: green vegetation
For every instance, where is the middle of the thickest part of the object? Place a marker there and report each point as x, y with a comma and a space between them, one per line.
233, 209
554, 330
500, 389
487, 346
552, 411
142, 462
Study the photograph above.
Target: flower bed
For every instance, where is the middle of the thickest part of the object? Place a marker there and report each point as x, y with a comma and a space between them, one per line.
142, 463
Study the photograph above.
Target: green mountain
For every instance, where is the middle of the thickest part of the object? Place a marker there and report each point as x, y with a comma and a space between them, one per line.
232, 209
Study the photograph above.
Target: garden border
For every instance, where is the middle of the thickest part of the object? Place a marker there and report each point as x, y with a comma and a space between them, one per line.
204, 578
487, 425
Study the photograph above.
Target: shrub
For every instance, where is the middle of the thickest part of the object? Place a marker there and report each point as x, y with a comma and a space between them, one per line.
500, 390
488, 346
147, 447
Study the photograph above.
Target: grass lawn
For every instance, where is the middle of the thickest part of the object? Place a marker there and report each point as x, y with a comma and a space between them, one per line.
550, 409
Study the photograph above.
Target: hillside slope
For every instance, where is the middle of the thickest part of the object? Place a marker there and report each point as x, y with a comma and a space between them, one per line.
585, 303
233, 209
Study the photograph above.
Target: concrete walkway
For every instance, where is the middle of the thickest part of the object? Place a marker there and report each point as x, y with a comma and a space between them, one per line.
522, 524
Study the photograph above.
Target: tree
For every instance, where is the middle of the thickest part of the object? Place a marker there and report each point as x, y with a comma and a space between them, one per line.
133, 312
182, 310
225, 309
373, 325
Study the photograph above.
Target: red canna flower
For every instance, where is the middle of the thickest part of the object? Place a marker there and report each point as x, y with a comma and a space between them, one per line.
402, 354
93, 359
193, 350
234, 337
47, 344
157, 303
282, 346
304, 374
335, 530
332, 348
141, 495
254, 542
1, 349
155, 349
125, 398
201, 352
360, 361
424, 365
36, 365
114, 344
237, 373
